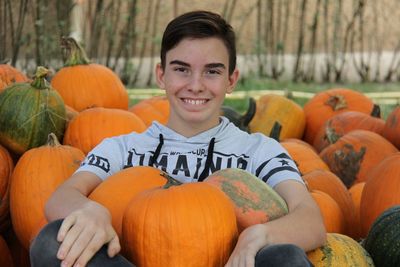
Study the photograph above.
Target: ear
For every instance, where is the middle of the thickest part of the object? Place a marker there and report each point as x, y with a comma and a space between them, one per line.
233, 79
160, 76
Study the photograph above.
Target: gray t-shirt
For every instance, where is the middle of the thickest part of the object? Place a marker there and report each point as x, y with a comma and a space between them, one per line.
185, 159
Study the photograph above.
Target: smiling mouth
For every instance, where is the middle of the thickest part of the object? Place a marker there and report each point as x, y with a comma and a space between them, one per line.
196, 102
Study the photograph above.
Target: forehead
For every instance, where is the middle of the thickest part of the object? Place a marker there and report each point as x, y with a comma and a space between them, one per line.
199, 50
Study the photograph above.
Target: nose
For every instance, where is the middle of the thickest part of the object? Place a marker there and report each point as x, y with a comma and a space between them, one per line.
196, 84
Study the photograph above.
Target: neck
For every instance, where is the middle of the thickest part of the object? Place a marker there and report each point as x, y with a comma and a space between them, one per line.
191, 129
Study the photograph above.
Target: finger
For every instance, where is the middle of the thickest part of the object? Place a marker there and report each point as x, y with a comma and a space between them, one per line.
114, 247
98, 240
79, 246
67, 223
71, 236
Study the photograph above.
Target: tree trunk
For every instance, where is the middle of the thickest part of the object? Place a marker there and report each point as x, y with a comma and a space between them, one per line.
297, 70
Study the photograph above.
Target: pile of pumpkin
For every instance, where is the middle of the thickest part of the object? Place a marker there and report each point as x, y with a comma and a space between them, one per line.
347, 154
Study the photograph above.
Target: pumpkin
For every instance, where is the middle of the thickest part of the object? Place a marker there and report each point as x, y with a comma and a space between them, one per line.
254, 201
36, 176
340, 250
152, 109
190, 224
273, 108
343, 123
391, 130
355, 154
240, 120
123, 186
84, 85
6, 168
382, 241
356, 193
331, 213
10, 75
328, 103
329, 183
305, 157
5, 254
29, 113
91, 126
381, 191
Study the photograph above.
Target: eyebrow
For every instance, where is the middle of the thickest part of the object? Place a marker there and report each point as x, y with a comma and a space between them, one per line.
210, 65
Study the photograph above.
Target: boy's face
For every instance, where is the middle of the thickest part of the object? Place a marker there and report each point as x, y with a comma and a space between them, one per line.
196, 79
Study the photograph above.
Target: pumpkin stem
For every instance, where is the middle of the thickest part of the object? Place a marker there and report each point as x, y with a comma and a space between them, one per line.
376, 111
276, 131
52, 140
73, 52
331, 135
251, 111
39, 80
170, 181
337, 102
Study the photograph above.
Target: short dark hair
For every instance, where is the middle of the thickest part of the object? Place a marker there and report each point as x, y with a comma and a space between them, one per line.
199, 24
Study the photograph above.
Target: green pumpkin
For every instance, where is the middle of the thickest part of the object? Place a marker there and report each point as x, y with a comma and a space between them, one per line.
29, 112
382, 241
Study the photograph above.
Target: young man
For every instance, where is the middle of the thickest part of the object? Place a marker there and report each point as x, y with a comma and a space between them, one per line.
198, 67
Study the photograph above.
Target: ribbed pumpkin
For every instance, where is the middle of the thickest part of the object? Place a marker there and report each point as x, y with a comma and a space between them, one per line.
344, 122
152, 109
340, 250
9, 75
381, 191
328, 182
382, 241
254, 201
5, 254
331, 213
91, 126
84, 85
273, 108
355, 154
305, 157
187, 225
36, 176
391, 131
29, 113
6, 168
123, 186
328, 103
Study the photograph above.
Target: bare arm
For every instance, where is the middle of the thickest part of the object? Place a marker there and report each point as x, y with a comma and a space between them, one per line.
87, 224
302, 226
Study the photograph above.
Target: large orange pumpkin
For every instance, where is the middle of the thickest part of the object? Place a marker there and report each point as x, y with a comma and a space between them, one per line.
84, 85
328, 103
152, 109
88, 128
355, 154
273, 108
123, 186
328, 182
391, 131
36, 176
344, 122
9, 75
190, 224
381, 191
6, 168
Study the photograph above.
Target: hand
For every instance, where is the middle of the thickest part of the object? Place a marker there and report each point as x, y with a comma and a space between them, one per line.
251, 240
83, 233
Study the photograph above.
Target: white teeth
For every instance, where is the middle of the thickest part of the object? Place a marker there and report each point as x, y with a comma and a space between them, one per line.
194, 101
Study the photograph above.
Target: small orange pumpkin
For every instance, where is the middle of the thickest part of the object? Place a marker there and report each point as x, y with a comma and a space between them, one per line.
37, 174
391, 130
152, 109
84, 85
328, 103
91, 126
356, 193
6, 169
9, 75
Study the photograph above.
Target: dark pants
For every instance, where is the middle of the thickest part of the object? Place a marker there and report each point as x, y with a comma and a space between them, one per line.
44, 249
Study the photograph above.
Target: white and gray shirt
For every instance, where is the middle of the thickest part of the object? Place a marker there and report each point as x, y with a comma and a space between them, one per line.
194, 158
